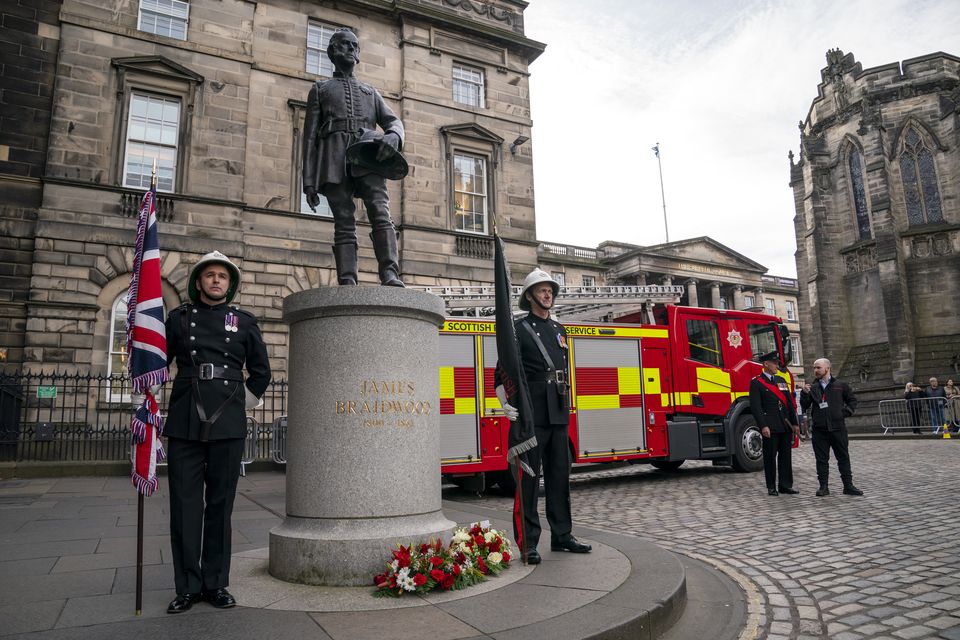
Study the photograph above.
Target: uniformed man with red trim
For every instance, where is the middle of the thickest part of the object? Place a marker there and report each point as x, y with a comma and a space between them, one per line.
211, 342
543, 353
774, 410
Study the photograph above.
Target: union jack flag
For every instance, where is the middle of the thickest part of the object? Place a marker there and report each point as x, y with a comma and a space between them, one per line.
146, 346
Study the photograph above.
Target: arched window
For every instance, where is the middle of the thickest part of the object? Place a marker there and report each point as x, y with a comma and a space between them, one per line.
919, 176
859, 192
117, 354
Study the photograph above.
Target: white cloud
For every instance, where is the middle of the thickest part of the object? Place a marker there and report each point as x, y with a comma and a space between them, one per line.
721, 86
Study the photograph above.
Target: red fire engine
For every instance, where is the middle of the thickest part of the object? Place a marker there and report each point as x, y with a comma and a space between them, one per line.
645, 393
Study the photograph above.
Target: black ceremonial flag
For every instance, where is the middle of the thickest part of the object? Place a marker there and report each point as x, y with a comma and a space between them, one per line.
522, 437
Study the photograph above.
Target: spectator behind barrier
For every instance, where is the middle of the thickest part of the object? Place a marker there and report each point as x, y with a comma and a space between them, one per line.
912, 394
935, 391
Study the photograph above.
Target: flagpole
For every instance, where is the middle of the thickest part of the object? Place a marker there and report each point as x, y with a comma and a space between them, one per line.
663, 198
140, 504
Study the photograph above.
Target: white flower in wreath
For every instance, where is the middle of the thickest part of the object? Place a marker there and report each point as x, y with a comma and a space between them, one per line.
495, 557
403, 573
467, 564
461, 535
462, 547
489, 536
394, 566
406, 583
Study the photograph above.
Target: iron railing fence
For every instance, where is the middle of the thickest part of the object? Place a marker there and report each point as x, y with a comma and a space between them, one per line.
70, 417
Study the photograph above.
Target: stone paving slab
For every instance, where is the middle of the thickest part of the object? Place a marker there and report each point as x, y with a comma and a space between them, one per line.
881, 566
83, 588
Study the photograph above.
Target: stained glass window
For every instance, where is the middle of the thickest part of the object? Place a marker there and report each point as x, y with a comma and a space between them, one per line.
918, 173
859, 195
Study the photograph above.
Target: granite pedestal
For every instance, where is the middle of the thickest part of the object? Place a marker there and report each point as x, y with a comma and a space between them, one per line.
363, 455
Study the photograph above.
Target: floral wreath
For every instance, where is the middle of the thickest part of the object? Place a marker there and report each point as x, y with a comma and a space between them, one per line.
471, 556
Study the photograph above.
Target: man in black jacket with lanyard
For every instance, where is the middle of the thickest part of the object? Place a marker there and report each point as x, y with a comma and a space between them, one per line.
830, 401
543, 353
206, 426
772, 406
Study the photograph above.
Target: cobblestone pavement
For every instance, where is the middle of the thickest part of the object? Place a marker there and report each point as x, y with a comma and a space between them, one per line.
884, 566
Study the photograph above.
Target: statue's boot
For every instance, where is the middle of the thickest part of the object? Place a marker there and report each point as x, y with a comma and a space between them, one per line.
388, 262
346, 258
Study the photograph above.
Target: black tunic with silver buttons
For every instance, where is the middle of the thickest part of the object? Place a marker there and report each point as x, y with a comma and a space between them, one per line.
548, 409
229, 339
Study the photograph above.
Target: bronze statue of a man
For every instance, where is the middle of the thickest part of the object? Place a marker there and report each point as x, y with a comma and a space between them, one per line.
344, 157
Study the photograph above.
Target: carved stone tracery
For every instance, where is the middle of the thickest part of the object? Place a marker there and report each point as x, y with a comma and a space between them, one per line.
503, 15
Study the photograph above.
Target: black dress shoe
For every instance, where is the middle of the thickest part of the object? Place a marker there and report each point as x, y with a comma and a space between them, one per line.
220, 598
789, 491
823, 491
851, 490
183, 602
572, 545
533, 557
772, 492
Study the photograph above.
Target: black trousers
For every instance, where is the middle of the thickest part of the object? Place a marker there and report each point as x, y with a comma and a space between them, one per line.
552, 453
823, 441
203, 482
777, 460
372, 189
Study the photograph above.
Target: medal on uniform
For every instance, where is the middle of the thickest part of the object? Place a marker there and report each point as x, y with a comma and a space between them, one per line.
230, 322
562, 341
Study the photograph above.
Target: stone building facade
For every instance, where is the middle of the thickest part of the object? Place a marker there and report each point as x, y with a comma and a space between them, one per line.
877, 194
712, 274
216, 90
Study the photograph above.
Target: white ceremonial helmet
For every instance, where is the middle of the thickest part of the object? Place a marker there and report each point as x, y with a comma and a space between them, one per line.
534, 278
214, 257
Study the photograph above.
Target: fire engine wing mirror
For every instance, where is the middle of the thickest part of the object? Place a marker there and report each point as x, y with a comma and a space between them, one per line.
787, 346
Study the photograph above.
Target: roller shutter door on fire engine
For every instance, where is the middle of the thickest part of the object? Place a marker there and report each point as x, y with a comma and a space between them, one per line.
608, 397
459, 432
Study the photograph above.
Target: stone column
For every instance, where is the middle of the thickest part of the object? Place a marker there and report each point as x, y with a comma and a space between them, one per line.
363, 463
738, 296
715, 295
692, 300
642, 279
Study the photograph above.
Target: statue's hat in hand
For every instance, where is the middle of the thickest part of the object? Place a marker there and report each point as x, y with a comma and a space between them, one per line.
371, 154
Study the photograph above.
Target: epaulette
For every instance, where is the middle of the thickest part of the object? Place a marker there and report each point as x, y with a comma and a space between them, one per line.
243, 311
366, 88
321, 86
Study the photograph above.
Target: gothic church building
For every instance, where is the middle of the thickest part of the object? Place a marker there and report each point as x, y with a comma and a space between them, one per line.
877, 195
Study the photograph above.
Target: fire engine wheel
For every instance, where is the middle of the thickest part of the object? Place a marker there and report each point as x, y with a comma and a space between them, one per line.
667, 465
748, 445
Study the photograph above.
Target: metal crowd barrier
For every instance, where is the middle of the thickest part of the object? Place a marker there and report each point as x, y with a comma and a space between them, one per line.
249, 445
278, 440
920, 414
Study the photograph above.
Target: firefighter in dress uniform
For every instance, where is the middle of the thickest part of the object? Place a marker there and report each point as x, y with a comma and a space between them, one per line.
773, 408
543, 353
206, 426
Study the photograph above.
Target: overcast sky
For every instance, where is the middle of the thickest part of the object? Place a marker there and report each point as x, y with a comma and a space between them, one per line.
720, 85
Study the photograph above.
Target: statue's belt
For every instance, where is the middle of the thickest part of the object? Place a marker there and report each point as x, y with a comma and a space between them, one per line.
353, 125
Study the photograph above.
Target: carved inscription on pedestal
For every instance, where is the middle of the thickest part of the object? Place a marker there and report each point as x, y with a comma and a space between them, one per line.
384, 403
